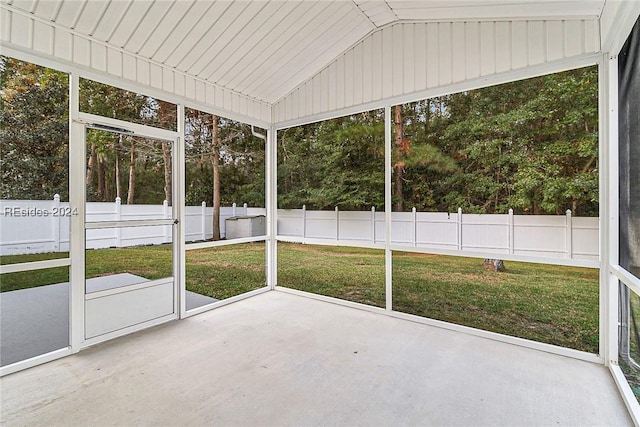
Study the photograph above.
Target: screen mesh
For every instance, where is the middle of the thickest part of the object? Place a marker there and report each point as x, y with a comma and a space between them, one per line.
629, 163
629, 128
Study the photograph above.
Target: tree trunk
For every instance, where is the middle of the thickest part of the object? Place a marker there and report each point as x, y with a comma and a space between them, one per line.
399, 164
102, 172
91, 164
132, 174
215, 162
166, 156
166, 115
117, 166
427, 118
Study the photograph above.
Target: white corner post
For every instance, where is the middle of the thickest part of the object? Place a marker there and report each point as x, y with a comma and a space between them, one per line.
55, 223
179, 237
387, 209
568, 234
511, 232
77, 204
609, 187
272, 206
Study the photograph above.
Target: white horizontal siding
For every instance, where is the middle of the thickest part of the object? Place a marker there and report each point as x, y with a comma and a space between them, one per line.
415, 57
26, 33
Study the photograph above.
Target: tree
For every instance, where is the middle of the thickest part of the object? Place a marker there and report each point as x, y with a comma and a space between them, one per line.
218, 151
402, 149
417, 157
34, 132
338, 162
167, 114
214, 157
529, 145
132, 173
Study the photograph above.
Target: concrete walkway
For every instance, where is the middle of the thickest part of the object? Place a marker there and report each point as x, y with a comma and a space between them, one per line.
35, 321
283, 360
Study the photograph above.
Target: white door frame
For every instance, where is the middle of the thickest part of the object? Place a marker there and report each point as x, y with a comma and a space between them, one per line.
79, 123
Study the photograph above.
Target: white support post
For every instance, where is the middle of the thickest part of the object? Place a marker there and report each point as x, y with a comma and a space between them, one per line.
387, 210
304, 221
609, 211
203, 220
55, 222
373, 224
511, 232
337, 224
272, 206
179, 199
459, 237
118, 212
568, 235
77, 242
233, 209
246, 209
414, 238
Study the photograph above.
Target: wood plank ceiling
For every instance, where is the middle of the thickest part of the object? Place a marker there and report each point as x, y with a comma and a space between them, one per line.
264, 49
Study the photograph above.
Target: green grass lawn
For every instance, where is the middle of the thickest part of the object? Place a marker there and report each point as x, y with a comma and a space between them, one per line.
352, 274
220, 272
547, 303
551, 304
226, 271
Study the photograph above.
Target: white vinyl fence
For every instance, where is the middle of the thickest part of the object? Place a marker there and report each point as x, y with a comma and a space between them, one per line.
555, 236
38, 226
33, 226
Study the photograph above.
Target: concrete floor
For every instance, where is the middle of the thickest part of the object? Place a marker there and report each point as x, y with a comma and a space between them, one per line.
284, 360
35, 321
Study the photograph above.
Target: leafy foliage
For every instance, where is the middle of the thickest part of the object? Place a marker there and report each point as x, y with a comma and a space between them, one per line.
530, 145
34, 121
35, 144
241, 158
338, 162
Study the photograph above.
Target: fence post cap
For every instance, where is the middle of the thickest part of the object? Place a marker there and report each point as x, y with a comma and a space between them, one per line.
459, 210
56, 197
568, 212
165, 203
203, 204
118, 200
234, 204
510, 211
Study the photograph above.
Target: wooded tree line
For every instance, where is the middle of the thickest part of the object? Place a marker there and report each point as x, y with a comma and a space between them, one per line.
34, 136
528, 145
35, 145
